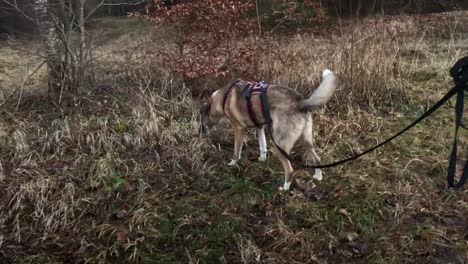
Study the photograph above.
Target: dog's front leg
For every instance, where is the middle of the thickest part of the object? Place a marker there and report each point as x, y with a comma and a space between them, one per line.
262, 143
238, 141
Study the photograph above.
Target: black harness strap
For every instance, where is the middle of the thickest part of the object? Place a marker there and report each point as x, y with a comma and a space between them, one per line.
263, 88
265, 107
269, 121
226, 94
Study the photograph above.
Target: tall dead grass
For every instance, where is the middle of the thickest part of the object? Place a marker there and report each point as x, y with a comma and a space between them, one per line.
125, 177
364, 60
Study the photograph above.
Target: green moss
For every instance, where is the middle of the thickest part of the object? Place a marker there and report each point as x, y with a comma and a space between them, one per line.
363, 209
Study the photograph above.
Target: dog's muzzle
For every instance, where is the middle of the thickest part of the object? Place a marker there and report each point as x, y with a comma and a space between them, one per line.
203, 131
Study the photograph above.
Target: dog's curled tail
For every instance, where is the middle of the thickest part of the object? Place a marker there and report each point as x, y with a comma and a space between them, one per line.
322, 94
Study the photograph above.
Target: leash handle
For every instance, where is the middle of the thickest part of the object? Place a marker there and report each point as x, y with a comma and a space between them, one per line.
451, 171
459, 72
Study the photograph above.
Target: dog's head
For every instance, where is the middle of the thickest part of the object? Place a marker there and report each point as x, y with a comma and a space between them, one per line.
211, 113
205, 121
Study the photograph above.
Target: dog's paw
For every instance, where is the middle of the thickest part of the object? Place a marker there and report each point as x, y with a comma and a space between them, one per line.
262, 158
285, 187
232, 163
318, 176
326, 72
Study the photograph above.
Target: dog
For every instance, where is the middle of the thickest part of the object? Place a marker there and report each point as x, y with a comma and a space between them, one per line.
290, 115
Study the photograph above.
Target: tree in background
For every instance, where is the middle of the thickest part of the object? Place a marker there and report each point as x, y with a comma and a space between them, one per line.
66, 56
203, 30
49, 36
207, 29
67, 46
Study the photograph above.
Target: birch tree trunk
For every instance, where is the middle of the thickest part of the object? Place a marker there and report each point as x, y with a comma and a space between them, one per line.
83, 48
50, 38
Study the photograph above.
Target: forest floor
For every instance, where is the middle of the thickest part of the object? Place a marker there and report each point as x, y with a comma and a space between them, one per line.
123, 178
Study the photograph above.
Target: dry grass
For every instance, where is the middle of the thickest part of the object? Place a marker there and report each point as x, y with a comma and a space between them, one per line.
123, 179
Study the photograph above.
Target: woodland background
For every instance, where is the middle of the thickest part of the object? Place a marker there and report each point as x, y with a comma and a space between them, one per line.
100, 160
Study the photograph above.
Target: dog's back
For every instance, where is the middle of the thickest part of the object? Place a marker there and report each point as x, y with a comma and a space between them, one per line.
287, 99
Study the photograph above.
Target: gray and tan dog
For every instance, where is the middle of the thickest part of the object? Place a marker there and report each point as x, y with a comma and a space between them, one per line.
290, 114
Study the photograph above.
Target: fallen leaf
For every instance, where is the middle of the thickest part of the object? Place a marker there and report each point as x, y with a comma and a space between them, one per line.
347, 237
121, 214
345, 213
359, 248
122, 237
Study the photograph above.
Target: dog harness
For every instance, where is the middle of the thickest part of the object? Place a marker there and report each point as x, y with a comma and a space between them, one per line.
254, 88
260, 89
250, 89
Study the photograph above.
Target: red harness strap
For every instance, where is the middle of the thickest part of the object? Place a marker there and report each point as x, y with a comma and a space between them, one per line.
254, 88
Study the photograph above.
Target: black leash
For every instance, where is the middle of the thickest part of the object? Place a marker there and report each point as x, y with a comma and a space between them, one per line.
459, 72
431, 110
441, 102
269, 121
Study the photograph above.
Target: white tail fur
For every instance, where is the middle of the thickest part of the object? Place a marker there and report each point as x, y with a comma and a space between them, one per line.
323, 93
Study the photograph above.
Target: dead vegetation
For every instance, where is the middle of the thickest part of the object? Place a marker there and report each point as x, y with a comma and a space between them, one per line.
122, 178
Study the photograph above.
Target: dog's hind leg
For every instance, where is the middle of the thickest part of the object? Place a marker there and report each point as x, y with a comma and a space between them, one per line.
286, 137
316, 161
262, 143
238, 141
288, 171
310, 152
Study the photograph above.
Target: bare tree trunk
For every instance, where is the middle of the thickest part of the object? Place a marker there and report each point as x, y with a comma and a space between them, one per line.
68, 68
83, 48
358, 8
50, 38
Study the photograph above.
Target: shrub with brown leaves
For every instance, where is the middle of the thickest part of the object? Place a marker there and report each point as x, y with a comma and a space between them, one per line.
206, 29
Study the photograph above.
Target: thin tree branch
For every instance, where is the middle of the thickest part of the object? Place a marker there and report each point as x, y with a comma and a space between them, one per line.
90, 13
62, 35
15, 6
